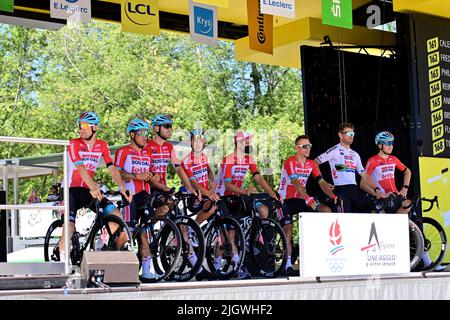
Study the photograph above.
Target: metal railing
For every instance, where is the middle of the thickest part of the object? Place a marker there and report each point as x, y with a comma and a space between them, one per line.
64, 143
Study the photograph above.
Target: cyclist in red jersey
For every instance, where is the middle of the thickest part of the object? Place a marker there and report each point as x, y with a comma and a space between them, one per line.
201, 177
230, 179
294, 175
382, 169
162, 153
84, 157
133, 163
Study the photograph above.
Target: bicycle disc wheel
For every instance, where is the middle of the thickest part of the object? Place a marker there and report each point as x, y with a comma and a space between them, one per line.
112, 235
165, 249
220, 244
193, 241
435, 241
268, 248
416, 245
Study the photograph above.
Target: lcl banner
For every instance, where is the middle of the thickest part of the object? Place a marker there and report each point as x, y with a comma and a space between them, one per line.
7, 5
343, 244
260, 28
337, 13
140, 16
74, 10
203, 23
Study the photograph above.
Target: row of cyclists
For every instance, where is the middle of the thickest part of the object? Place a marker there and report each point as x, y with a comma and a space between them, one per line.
140, 168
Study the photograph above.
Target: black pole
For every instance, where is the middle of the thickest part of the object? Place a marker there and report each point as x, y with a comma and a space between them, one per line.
3, 224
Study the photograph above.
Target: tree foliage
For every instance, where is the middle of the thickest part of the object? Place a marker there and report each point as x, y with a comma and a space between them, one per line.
48, 77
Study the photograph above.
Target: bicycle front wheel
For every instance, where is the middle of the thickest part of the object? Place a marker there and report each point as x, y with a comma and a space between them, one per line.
51, 242
111, 235
165, 248
416, 245
435, 242
268, 248
225, 248
193, 244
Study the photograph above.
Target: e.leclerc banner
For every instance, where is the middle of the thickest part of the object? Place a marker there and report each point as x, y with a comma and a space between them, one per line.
338, 13
7, 5
282, 8
203, 23
260, 28
75, 10
140, 16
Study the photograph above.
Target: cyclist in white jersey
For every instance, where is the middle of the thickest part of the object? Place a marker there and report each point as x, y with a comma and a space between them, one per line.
345, 163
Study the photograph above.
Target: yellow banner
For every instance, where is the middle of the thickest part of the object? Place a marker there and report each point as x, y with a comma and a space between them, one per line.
435, 181
260, 28
217, 3
140, 16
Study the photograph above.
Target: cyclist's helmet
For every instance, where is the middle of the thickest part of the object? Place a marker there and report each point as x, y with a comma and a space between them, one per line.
137, 124
90, 117
384, 137
161, 119
197, 133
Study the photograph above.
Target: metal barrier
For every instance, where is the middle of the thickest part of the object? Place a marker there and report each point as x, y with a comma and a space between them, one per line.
45, 267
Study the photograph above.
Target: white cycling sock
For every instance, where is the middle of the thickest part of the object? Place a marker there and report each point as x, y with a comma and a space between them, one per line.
289, 262
146, 264
217, 262
426, 259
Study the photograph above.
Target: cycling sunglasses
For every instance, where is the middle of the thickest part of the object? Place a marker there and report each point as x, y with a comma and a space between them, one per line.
85, 125
167, 126
142, 133
349, 133
388, 143
305, 146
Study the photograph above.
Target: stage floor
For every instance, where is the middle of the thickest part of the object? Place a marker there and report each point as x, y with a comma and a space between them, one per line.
413, 286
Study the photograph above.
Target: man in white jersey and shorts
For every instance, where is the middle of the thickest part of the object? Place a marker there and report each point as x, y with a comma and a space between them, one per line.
344, 164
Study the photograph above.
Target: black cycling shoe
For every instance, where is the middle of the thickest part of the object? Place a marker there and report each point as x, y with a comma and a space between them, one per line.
290, 272
204, 275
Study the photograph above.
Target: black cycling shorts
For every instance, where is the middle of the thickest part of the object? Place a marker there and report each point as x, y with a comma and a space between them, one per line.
79, 198
354, 200
292, 207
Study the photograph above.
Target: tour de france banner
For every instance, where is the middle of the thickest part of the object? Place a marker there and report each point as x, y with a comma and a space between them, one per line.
74, 10
282, 8
216, 3
433, 71
140, 16
260, 28
203, 23
338, 13
435, 182
7, 5
343, 244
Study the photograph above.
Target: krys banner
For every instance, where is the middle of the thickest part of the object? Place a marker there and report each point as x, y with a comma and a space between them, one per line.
140, 16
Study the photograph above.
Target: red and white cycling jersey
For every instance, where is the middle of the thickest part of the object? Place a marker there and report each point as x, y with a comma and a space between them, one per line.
131, 160
197, 169
79, 153
383, 172
344, 163
293, 169
234, 170
161, 156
